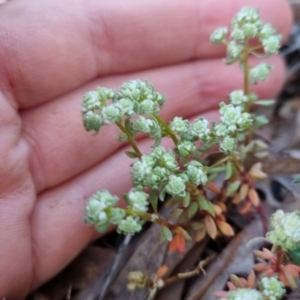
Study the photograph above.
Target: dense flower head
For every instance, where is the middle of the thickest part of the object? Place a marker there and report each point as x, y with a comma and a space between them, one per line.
247, 14
238, 97
234, 118
271, 44
96, 209
186, 148
126, 107
195, 172
234, 51
286, 231
272, 288
137, 200
169, 162
200, 129
228, 144
176, 186
260, 72
92, 104
139, 91
129, 225
153, 168
244, 294
179, 125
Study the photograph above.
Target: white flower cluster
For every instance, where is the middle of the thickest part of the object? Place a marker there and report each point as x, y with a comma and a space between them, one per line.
134, 97
97, 209
247, 25
100, 211
244, 294
286, 231
272, 288
238, 97
137, 200
198, 130
234, 118
153, 168
144, 125
195, 172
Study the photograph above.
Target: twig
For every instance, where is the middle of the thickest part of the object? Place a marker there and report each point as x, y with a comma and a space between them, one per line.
114, 268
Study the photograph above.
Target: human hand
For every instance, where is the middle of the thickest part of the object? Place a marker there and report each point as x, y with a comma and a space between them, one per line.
51, 53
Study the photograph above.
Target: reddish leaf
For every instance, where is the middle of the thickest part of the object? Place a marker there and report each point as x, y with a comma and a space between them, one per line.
211, 227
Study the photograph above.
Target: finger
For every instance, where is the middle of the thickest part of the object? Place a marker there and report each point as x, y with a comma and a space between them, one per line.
76, 43
59, 213
60, 148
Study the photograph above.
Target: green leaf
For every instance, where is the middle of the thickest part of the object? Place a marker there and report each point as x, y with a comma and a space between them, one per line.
297, 179
154, 200
167, 233
232, 188
260, 121
228, 170
162, 195
212, 177
187, 200
192, 210
175, 213
161, 237
173, 201
206, 205
295, 254
132, 154
265, 102
216, 170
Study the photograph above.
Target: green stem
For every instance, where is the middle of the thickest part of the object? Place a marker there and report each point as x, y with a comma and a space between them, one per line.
147, 217
219, 162
166, 128
245, 62
130, 139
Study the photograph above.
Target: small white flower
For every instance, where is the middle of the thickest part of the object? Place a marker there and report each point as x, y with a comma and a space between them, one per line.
286, 231
238, 97
148, 107
195, 173
129, 226
169, 162
266, 31
126, 107
250, 30
271, 44
221, 130
186, 148
200, 129
244, 294
237, 33
219, 35
176, 186
111, 114
234, 51
179, 125
260, 73
92, 121
141, 124
272, 288
228, 144
248, 14
137, 200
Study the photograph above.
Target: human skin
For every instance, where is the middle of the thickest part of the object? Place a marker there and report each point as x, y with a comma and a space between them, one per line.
51, 53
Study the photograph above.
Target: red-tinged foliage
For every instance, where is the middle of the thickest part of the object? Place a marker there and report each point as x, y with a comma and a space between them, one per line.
177, 244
